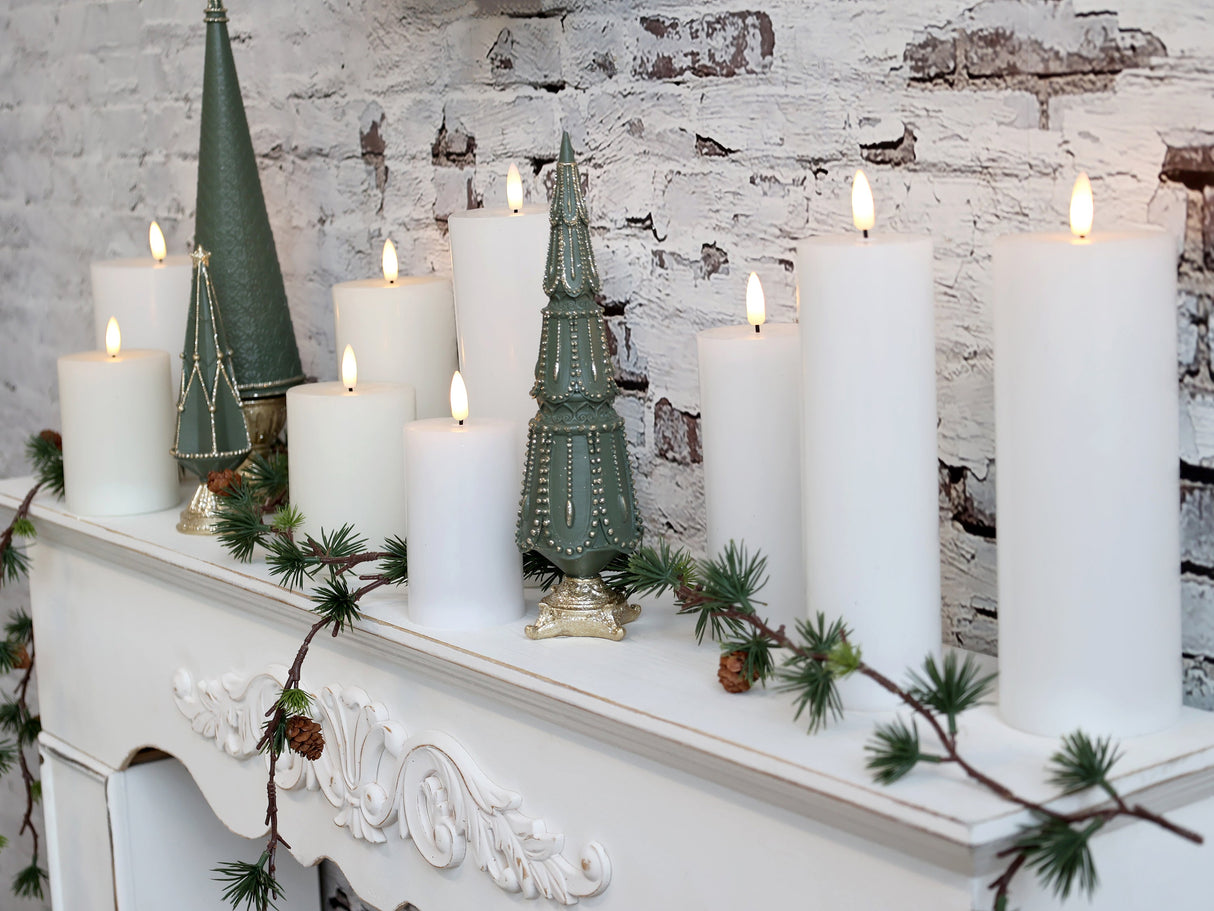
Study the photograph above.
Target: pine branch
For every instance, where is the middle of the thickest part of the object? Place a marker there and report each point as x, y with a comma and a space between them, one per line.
45, 452
950, 689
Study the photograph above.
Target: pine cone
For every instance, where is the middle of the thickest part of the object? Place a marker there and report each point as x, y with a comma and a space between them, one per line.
304, 737
22, 659
221, 482
730, 673
52, 437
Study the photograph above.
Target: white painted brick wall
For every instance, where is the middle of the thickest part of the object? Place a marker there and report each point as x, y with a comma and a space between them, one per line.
99, 105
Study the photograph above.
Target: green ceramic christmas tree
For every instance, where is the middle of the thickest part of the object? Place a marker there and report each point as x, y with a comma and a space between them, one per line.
578, 508
231, 223
211, 430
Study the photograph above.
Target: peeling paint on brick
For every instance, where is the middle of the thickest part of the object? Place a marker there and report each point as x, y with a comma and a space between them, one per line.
725, 44
713, 260
710, 148
372, 145
970, 500
676, 434
453, 148
894, 152
630, 372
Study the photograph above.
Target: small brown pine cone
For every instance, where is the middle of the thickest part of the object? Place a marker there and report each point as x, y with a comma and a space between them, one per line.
22, 659
304, 737
53, 437
730, 673
221, 482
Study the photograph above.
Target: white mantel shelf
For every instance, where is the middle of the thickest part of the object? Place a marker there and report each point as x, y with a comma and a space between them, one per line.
654, 697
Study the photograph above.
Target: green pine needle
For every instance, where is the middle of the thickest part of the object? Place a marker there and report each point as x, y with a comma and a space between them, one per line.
1083, 763
289, 563
950, 689
893, 751
9, 650
295, 701
277, 742
811, 679
335, 602
344, 542
655, 571
20, 627
13, 564
8, 756
28, 882
3, 842
24, 528
266, 478
1061, 855
249, 884
757, 663
538, 568
843, 659
47, 459
287, 520
239, 526
395, 568
36, 791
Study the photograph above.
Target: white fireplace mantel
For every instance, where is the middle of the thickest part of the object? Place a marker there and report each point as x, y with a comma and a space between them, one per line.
480, 769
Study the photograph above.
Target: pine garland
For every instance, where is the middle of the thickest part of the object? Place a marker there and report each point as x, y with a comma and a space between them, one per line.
721, 595
45, 452
333, 567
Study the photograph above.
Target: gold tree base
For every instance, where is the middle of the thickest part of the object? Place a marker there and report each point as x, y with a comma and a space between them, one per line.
583, 607
265, 419
200, 514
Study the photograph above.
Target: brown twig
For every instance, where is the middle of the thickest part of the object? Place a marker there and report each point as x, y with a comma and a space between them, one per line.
27, 776
23, 511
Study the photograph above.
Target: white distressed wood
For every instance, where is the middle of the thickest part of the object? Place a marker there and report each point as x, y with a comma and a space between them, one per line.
629, 745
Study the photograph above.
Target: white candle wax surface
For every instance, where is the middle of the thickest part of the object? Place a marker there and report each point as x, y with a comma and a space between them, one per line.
150, 300
117, 419
346, 458
1087, 464
498, 259
464, 568
402, 332
750, 407
868, 359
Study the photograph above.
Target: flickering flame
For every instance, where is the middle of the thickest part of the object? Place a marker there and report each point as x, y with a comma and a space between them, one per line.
349, 368
156, 242
113, 338
756, 304
862, 214
391, 267
514, 189
459, 398
1081, 206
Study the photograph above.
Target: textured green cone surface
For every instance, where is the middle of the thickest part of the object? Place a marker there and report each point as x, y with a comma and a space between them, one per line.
578, 508
231, 222
211, 431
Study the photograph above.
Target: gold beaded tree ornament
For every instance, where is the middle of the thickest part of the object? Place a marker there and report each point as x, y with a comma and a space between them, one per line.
578, 508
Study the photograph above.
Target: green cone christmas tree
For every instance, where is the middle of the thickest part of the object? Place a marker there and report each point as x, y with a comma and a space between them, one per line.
211, 431
578, 508
231, 223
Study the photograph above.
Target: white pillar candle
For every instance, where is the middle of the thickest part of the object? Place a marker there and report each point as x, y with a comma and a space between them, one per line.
345, 455
116, 411
497, 260
403, 328
149, 296
1087, 464
868, 358
750, 414
464, 568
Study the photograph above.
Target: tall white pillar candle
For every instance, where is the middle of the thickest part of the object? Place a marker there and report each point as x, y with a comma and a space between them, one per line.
149, 297
1087, 464
116, 412
403, 328
750, 408
345, 455
464, 568
497, 260
868, 358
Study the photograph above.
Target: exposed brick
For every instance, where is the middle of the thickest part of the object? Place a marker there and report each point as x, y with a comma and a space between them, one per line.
892, 152
1207, 225
371, 143
1192, 165
454, 148
725, 44
969, 500
710, 148
629, 366
527, 52
712, 260
676, 434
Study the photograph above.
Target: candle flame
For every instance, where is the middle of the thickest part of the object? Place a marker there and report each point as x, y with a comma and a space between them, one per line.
862, 212
156, 242
756, 304
349, 368
391, 267
459, 398
1081, 206
113, 337
514, 189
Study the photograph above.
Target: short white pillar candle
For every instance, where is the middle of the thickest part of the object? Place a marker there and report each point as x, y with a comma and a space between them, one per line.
750, 407
345, 454
497, 260
868, 360
464, 568
116, 412
1087, 473
403, 328
149, 296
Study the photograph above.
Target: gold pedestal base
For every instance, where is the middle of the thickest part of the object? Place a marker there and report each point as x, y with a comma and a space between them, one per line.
198, 518
265, 419
583, 607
